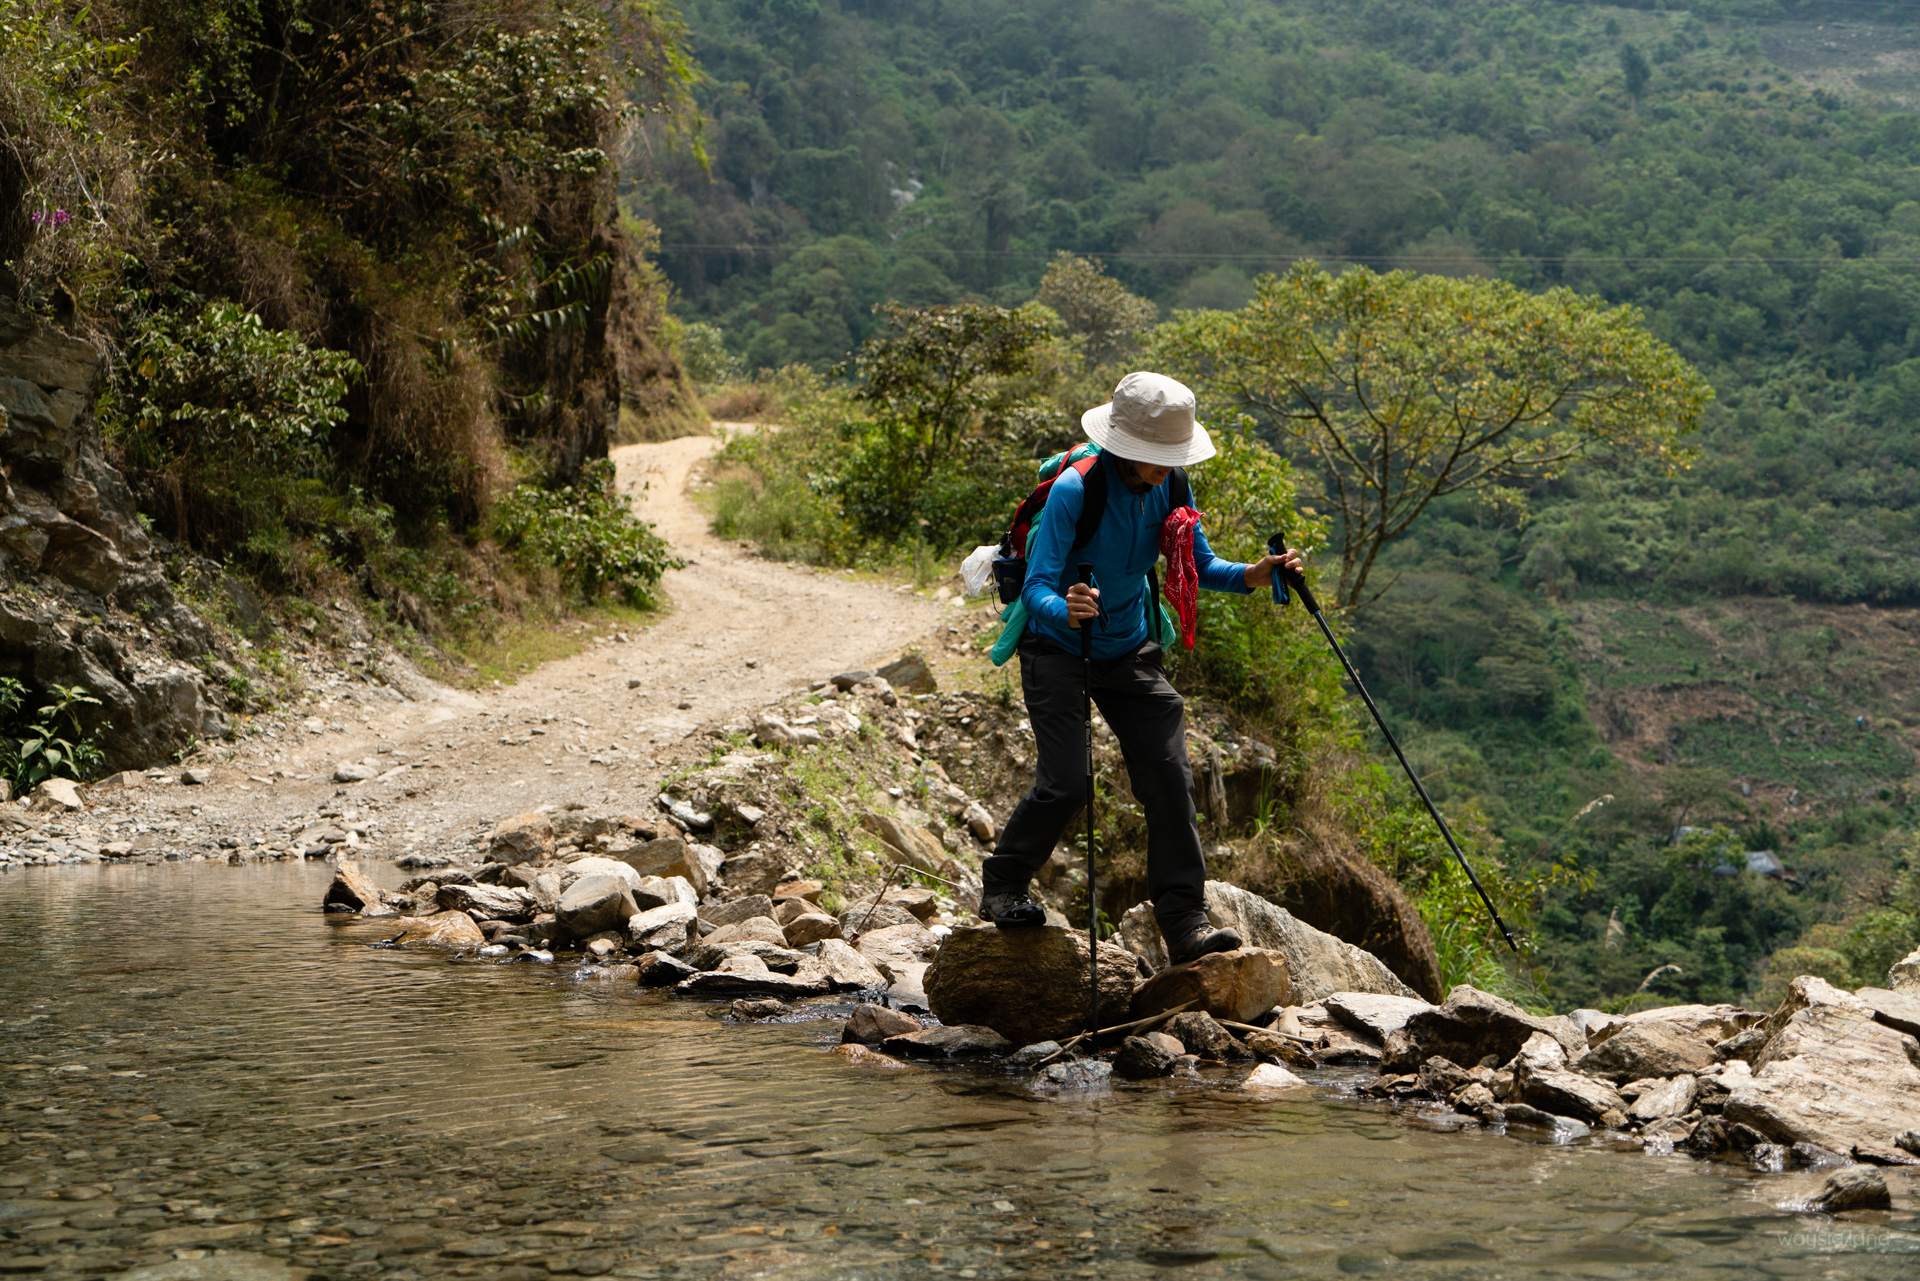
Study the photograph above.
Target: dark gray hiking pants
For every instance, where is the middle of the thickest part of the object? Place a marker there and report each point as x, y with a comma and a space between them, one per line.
1149, 718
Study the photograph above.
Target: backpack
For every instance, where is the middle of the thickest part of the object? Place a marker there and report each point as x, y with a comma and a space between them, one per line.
1010, 567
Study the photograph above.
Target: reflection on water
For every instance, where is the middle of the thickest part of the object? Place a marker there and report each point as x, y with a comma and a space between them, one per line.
195, 1060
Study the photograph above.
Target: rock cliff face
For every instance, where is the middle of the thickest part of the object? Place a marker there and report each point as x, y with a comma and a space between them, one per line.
83, 597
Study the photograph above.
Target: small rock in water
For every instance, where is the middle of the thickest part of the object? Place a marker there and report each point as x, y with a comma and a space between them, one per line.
1858, 1187
1140, 1059
657, 969
872, 1024
1079, 1075
1200, 1035
1270, 1076
766, 1008
1027, 1055
1564, 1129
854, 1052
948, 1042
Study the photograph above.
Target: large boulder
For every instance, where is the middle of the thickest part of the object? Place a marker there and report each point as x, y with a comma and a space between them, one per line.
1644, 1050
1238, 985
1709, 1023
524, 838
1026, 984
1470, 1026
1829, 1073
594, 903
1897, 1010
1318, 964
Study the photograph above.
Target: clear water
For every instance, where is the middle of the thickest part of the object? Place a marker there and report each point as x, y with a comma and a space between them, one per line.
194, 1059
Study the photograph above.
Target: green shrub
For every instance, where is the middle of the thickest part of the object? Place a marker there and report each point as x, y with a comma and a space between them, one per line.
48, 743
589, 534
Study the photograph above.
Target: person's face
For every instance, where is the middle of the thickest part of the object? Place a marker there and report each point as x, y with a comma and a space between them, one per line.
1148, 473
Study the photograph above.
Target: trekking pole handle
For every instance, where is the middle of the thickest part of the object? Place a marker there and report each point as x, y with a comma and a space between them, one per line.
1086, 633
1276, 544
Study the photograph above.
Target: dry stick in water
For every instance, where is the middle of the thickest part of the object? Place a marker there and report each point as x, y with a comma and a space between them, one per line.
1118, 1027
1248, 1027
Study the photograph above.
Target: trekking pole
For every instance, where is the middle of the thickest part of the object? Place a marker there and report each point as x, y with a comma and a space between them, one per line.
1294, 579
1093, 911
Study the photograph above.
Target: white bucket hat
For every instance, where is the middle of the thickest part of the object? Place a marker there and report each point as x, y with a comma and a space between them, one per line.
1149, 420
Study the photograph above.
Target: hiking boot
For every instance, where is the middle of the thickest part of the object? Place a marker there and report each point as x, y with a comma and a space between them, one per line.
1010, 911
1193, 943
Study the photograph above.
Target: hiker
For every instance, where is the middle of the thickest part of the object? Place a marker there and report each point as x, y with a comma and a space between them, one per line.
1144, 433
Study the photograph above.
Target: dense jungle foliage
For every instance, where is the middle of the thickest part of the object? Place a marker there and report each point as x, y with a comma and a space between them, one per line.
360, 270
1742, 171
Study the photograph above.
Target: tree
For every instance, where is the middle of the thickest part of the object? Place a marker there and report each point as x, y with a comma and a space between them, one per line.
1093, 304
1400, 389
1634, 66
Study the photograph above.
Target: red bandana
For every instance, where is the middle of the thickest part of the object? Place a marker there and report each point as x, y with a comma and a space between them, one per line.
1183, 580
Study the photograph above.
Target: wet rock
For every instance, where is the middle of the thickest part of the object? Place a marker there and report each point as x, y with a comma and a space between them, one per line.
351, 888
909, 673
1199, 1034
667, 928
1649, 1049
1028, 1055
847, 970
811, 927
1904, 976
1858, 1187
755, 929
874, 916
740, 909
594, 903
764, 1008
872, 1024
1568, 1094
443, 929
1468, 1027
1269, 1078
57, 794
1443, 1078
493, 902
1663, 1099
1140, 1059
947, 1042
524, 838
1373, 1013
1027, 984
650, 892
1874, 1154
854, 1052
1238, 985
1830, 1074
666, 857
1564, 1129
1318, 964
1908, 1141
1077, 1077
738, 976
657, 969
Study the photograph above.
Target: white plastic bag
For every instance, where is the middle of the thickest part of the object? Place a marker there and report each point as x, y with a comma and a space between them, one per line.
976, 571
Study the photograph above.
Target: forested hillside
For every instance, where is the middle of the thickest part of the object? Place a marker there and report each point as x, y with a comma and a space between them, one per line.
1687, 641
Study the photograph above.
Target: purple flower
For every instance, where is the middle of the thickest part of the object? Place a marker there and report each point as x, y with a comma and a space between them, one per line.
57, 218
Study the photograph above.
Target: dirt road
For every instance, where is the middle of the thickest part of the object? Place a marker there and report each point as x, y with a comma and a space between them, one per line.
598, 728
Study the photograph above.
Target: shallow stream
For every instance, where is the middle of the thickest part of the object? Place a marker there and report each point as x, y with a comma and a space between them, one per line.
194, 1060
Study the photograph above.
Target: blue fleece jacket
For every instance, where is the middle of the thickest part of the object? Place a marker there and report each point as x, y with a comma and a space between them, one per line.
1122, 550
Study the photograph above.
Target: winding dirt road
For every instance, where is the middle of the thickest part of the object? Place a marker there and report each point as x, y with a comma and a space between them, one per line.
598, 728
